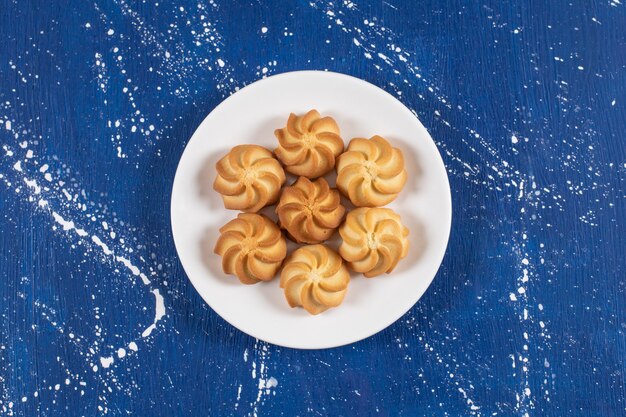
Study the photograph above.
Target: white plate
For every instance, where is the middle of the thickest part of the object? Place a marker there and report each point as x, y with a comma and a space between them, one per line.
250, 116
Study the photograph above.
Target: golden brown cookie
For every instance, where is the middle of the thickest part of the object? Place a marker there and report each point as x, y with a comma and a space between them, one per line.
314, 277
374, 240
249, 178
371, 172
309, 144
310, 211
252, 247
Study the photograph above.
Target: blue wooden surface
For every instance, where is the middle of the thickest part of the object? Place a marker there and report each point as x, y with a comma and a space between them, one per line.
526, 101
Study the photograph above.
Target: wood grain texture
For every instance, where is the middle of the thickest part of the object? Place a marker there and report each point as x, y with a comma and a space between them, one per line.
526, 101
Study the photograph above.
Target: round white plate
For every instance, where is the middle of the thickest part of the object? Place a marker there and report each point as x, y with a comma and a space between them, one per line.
250, 116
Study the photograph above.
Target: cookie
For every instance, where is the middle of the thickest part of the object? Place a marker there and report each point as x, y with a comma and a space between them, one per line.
315, 278
252, 247
374, 240
371, 172
310, 211
309, 144
249, 178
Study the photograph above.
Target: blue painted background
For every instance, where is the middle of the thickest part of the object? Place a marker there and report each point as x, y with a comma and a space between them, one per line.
526, 101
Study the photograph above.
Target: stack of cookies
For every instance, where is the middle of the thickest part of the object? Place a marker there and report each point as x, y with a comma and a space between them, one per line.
370, 174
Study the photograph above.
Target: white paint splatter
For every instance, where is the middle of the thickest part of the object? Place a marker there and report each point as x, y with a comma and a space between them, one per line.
102, 245
158, 314
106, 362
33, 184
65, 224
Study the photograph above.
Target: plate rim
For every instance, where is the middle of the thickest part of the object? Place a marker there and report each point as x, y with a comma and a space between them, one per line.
439, 256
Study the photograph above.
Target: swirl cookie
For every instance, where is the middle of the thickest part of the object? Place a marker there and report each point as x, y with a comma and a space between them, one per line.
310, 211
374, 240
249, 178
309, 144
252, 247
315, 278
371, 172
